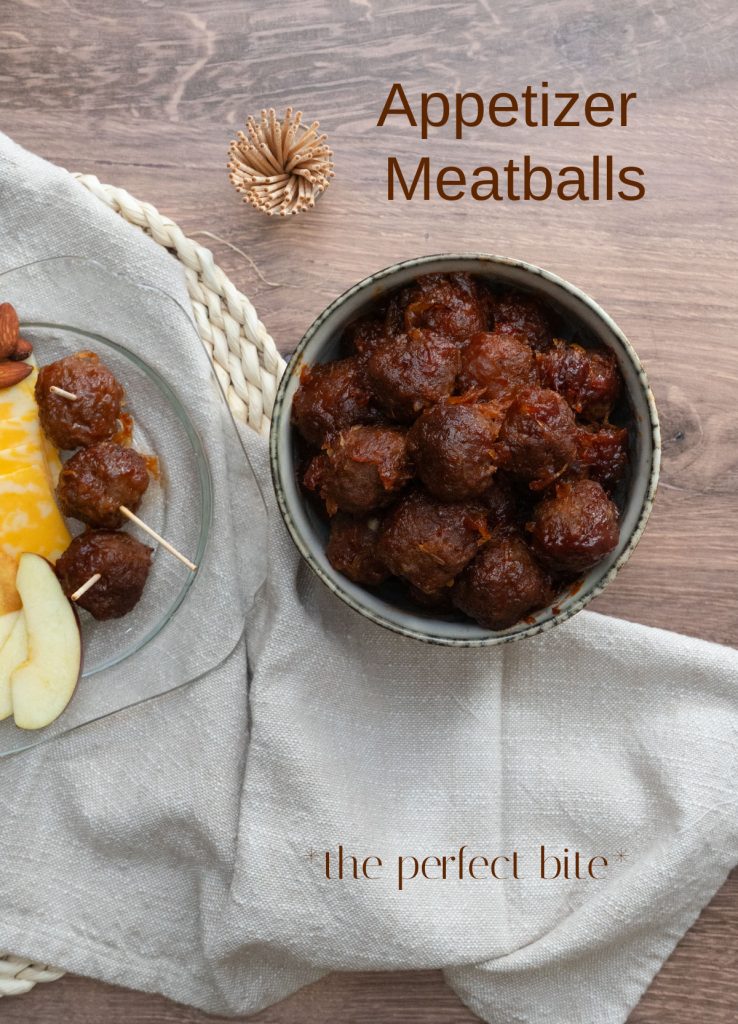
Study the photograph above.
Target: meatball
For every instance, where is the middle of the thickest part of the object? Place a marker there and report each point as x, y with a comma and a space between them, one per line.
501, 501
312, 480
352, 549
538, 437
412, 371
589, 379
603, 454
331, 397
449, 304
575, 527
438, 601
428, 542
497, 364
503, 583
90, 417
525, 314
362, 336
361, 469
96, 481
452, 446
123, 564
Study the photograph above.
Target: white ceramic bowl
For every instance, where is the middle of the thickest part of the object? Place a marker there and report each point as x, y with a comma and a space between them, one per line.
321, 344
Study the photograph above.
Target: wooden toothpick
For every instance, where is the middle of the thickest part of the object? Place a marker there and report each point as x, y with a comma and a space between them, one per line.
280, 166
62, 393
157, 537
85, 587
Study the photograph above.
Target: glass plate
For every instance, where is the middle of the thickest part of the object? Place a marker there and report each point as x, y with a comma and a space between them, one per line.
204, 503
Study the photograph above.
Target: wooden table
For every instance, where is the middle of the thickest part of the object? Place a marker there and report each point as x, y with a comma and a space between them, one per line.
147, 95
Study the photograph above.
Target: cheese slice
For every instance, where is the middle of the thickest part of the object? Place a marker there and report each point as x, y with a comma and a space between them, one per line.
20, 456
29, 517
22, 442
19, 421
16, 432
19, 401
29, 470
52, 461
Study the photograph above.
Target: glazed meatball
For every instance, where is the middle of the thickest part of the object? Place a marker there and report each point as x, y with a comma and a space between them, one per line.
575, 527
428, 542
452, 446
352, 549
452, 305
90, 417
438, 601
313, 477
589, 379
123, 564
497, 364
538, 437
361, 469
526, 315
96, 481
603, 454
362, 336
331, 397
412, 371
503, 583
502, 501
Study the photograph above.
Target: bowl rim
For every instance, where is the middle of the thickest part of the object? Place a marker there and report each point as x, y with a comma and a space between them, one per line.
280, 420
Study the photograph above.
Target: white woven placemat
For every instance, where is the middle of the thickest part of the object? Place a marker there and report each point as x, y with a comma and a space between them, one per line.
248, 366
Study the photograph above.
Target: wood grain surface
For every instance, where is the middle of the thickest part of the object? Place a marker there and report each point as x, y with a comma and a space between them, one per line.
147, 94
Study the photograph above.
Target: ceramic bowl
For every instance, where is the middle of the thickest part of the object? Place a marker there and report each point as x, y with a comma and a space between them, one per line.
388, 606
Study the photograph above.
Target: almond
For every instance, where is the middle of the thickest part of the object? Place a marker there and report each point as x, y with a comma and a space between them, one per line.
8, 330
23, 349
13, 373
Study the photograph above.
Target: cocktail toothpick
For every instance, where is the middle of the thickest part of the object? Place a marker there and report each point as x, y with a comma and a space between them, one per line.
157, 537
280, 166
81, 591
129, 515
63, 393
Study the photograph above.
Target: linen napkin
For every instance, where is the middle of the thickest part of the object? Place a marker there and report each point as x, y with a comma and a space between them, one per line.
180, 846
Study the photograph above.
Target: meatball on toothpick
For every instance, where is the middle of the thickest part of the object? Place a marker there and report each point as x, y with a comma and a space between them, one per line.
79, 401
97, 481
121, 564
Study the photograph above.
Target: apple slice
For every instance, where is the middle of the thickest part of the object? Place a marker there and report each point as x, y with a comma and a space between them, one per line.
13, 653
7, 621
43, 685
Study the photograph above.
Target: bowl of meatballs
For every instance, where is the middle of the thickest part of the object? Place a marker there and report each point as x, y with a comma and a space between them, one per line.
465, 449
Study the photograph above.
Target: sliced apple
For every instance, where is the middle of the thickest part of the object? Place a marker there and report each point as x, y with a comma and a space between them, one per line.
7, 622
13, 653
43, 685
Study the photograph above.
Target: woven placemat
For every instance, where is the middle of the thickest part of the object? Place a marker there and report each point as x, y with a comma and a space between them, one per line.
248, 366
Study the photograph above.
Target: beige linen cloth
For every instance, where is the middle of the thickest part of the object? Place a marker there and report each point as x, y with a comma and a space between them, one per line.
178, 846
